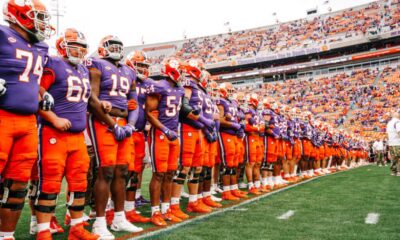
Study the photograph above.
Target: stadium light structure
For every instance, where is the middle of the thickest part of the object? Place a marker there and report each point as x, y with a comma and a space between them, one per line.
57, 9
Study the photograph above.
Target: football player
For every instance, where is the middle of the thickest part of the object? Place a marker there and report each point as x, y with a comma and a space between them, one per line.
192, 141
110, 133
22, 57
227, 140
62, 149
138, 61
253, 148
163, 104
307, 136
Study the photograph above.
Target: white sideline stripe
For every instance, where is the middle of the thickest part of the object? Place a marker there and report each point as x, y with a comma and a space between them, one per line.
372, 218
239, 209
201, 217
286, 215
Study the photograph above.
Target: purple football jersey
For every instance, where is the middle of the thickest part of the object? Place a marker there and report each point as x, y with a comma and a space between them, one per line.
142, 86
21, 66
275, 119
115, 82
70, 90
170, 102
196, 99
296, 128
307, 130
229, 110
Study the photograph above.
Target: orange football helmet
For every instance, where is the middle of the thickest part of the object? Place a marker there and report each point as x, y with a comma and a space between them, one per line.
194, 68
111, 47
213, 89
253, 100
31, 15
138, 60
223, 90
172, 68
72, 45
267, 102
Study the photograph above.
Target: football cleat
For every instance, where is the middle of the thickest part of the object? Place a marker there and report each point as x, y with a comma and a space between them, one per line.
254, 191
78, 232
176, 210
197, 208
55, 227
134, 217
158, 220
169, 216
102, 232
44, 235
229, 197
126, 226
209, 202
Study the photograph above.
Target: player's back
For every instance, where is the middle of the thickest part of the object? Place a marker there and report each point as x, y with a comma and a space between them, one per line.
21, 65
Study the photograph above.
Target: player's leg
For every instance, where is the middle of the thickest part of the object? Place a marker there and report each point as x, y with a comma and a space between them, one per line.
226, 151
76, 170
17, 157
159, 151
135, 166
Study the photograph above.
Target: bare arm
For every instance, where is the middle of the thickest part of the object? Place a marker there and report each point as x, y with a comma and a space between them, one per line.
94, 103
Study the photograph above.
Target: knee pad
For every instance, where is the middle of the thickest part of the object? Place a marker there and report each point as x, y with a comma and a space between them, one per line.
46, 196
7, 192
169, 175
72, 197
207, 173
194, 177
233, 171
268, 167
132, 182
179, 178
226, 171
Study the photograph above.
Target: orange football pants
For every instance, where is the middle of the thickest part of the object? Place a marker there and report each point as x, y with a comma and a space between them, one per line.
227, 146
139, 152
163, 152
192, 145
18, 145
62, 154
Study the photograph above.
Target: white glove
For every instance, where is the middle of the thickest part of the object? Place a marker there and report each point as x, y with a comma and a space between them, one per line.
47, 103
3, 87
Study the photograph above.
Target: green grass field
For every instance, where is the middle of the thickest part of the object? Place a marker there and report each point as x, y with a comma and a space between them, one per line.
332, 207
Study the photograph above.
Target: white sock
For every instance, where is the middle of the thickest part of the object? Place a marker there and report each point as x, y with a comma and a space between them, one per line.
75, 221
43, 226
129, 206
199, 196
270, 181
264, 181
287, 175
192, 198
234, 187
226, 188
6, 234
164, 207
154, 209
257, 184
119, 216
276, 180
175, 201
251, 185
206, 194
101, 221
138, 193
33, 219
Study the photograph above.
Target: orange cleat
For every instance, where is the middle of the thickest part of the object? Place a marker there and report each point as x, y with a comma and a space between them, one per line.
254, 191
134, 217
229, 197
198, 208
203, 205
209, 202
78, 232
44, 235
171, 217
265, 189
176, 210
157, 219
236, 193
55, 227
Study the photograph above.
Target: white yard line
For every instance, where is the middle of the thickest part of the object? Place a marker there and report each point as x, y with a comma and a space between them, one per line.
286, 215
372, 218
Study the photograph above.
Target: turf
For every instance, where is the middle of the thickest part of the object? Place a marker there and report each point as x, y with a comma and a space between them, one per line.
332, 207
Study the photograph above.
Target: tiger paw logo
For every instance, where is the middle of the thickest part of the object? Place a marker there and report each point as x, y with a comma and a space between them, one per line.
53, 141
12, 40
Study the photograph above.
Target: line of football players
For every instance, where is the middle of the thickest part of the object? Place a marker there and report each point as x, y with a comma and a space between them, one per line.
197, 131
